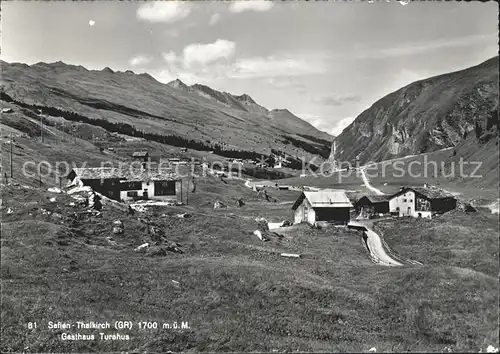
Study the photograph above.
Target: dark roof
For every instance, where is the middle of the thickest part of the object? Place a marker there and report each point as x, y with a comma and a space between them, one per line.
126, 174
378, 198
430, 192
140, 154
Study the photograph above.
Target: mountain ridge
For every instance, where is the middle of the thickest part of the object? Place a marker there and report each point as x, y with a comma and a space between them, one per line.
424, 116
234, 122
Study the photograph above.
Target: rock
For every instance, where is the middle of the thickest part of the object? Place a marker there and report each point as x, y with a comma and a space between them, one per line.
54, 190
141, 247
184, 216
259, 235
52, 200
154, 230
290, 255
118, 223
9, 211
72, 204
373, 350
218, 205
117, 230
110, 240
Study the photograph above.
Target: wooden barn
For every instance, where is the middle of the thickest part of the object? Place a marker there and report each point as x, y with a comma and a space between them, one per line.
421, 202
141, 156
371, 205
128, 184
330, 206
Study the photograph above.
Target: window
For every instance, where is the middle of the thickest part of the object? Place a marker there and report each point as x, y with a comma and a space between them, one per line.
164, 188
131, 186
132, 194
404, 200
411, 200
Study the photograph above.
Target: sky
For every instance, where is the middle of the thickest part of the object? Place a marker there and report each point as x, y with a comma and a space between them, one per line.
324, 61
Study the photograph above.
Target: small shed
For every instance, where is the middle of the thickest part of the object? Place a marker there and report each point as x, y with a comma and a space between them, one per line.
369, 205
331, 206
140, 155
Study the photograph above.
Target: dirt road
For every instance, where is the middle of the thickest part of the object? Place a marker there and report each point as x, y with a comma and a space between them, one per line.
367, 183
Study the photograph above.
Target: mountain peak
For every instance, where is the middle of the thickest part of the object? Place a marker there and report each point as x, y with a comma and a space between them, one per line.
178, 84
281, 110
245, 98
107, 70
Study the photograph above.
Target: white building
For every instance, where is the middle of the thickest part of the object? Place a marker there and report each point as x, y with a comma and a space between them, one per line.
421, 202
129, 184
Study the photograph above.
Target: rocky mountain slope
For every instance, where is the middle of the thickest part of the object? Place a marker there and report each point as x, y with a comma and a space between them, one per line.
242, 102
193, 116
456, 109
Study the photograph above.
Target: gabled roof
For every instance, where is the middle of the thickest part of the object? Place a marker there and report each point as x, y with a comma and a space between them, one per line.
126, 174
326, 198
430, 192
140, 154
377, 198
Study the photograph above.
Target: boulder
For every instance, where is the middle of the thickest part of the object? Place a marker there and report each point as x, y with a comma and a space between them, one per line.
117, 230
218, 205
54, 190
259, 234
142, 247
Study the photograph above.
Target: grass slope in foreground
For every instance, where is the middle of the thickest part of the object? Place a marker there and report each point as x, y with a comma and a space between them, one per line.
233, 289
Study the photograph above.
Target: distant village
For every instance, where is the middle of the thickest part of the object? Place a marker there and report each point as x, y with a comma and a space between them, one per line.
320, 206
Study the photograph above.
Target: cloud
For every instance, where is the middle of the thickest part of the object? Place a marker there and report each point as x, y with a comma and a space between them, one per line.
274, 66
336, 101
139, 60
214, 19
170, 57
325, 123
421, 48
254, 5
164, 11
173, 32
289, 83
206, 53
